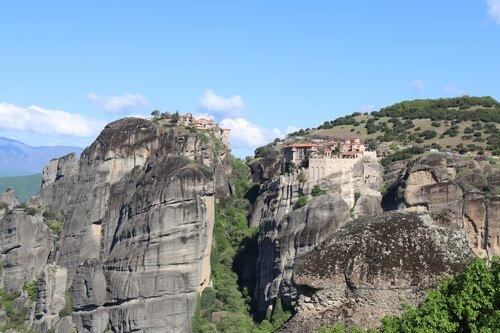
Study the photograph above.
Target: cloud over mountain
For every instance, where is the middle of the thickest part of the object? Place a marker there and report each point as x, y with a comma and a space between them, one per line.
44, 121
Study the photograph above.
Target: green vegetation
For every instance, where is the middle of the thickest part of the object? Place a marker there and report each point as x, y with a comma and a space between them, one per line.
55, 226
3, 205
235, 243
469, 302
425, 122
302, 201
30, 210
31, 288
24, 186
302, 176
383, 190
68, 308
317, 191
13, 319
402, 155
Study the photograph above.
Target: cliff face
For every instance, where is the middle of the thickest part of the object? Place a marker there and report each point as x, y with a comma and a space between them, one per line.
354, 286
465, 192
288, 231
371, 265
137, 211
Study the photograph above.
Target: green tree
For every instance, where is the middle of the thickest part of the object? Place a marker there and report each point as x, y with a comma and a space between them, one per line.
156, 113
302, 176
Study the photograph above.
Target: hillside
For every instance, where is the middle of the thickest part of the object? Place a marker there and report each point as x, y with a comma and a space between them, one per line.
19, 159
24, 186
463, 124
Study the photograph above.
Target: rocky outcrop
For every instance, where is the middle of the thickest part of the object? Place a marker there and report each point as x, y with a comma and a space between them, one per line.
138, 212
9, 199
25, 245
58, 168
289, 231
369, 266
51, 297
464, 192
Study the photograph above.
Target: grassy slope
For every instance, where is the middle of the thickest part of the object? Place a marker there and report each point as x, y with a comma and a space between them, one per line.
424, 124
424, 110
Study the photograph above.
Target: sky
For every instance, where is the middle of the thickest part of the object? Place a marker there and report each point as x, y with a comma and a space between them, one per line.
261, 68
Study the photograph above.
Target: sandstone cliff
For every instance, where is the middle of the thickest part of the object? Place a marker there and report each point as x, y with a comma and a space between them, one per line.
465, 192
137, 212
371, 265
289, 231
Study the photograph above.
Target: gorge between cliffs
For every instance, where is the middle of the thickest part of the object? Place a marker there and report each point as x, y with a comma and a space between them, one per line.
159, 229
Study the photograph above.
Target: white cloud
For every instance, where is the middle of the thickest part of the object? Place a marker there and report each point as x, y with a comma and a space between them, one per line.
417, 86
231, 107
118, 104
494, 9
247, 135
454, 91
38, 120
203, 115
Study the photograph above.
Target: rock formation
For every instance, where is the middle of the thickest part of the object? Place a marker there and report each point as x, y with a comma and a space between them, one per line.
288, 231
9, 198
371, 265
137, 211
464, 192
449, 189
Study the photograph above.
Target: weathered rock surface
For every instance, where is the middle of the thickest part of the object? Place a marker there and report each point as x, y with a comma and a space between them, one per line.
51, 297
371, 265
58, 168
25, 245
464, 192
9, 198
288, 232
138, 211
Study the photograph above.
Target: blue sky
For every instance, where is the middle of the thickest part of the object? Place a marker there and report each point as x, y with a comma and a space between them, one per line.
259, 67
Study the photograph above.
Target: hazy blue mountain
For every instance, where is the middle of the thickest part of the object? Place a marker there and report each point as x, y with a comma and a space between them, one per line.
19, 159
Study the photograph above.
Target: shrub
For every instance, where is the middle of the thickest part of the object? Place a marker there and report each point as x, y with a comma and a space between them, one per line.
56, 226
401, 155
302, 201
68, 309
30, 210
31, 288
302, 176
317, 191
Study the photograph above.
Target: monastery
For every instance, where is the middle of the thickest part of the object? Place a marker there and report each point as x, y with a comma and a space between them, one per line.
202, 124
327, 158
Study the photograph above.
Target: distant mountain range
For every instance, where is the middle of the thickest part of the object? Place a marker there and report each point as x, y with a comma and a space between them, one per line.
18, 159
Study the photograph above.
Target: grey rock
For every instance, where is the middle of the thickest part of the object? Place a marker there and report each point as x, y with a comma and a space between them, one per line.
9, 197
138, 213
58, 168
369, 265
287, 233
465, 193
25, 245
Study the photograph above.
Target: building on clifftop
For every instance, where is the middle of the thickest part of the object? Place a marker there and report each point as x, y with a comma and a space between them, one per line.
328, 158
